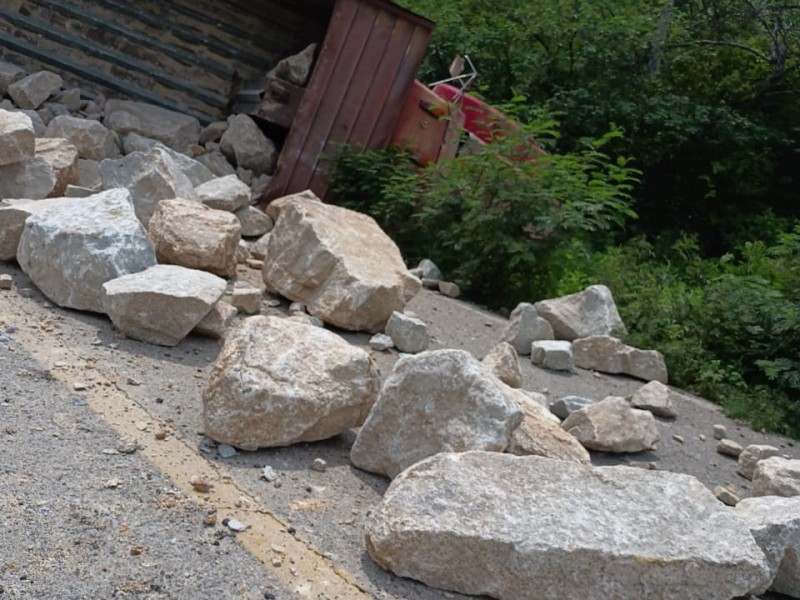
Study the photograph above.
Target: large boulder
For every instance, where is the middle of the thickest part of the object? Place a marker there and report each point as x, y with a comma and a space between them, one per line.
162, 304
775, 525
511, 527
751, 456
62, 157
196, 171
13, 214
224, 193
277, 382
337, 262
246, 146
30, 92
17, 139
435, 401
611, 425
587, 313
655, 397
92, 139
150, 177
525, 327
31, 179
187, 233
540, 434
609, 355
75, 246
777, 476
503, 362
173, 129
555, 355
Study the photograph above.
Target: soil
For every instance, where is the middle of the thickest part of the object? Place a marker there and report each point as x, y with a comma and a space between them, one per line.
82, 521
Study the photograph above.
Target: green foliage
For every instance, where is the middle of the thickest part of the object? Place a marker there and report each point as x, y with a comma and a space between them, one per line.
492, 220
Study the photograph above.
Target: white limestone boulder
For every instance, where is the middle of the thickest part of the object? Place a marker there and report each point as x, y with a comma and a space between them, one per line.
775, 525
750, 457
92, 139
337, 262
62, 157
255, 222
173, 129
17, 138
76, 245
655, 397
30, 92
278, 382
609, 355
777, 476
587, 313
555, 355
435, 401
32, 179
162, 304
218, 320
408, 333
525, 327
223, 193
611, 425
13, 214
189, 234
509, 527
502, 361
563, 407
150, 177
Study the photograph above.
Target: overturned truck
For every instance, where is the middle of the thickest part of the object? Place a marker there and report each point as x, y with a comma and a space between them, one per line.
210, 59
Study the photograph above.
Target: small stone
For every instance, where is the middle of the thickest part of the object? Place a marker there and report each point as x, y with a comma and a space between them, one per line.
160, 435
678, 438
276, 561
729, 448
702, 437
127, 446
297, 307
235, 525
210, 520
381, 342
720, 432
553, 355
449, 289
138, 550
750, 457
201, 483
80, 386
254, 263
269, 474
6, 281
726, 495
410, 335
111, 484
319, 465
246, 298
226, 451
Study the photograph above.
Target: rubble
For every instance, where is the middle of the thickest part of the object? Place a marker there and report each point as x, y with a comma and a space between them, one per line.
525, 327
408, 334
609, 355
92, 139
31, 91
17, 139
216, 323
750, 457
655, 397
62, 157
589, 313
555, 355
509, 527
564, 407
611, 425
244, 145
777, 476
503, 362
223, 193
173, 129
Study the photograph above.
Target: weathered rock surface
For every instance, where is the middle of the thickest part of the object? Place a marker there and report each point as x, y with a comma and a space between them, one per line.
588, 313
75, 246
655, 397
338, 262
525, 327
296, 69
611, 425
176, 130
31, 91
775, 525
93, 140
218, 320
246, 298
540, 434
255, 222
17, 138
503, 362
223, 193
216, 162
750, 456
408, 333
528, 527
564, 407
150, 177
610, 355
13, 214
555, 355
162, 304
777, 476
32, 179
9, 73
728, 447
189, 234
245, 145
277, 382
62, 157
436, 401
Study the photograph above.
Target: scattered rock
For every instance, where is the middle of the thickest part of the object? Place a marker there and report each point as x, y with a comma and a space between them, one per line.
319, 465
483, 523
162, 304
381, 342
217, 321
269, 474
750, 457
552, 354
775, 524
408, 334
6, 282
13, 214
277, 382
9, 73
655, 397
30, 92
62, 157
223, 193
254, 222
246, 298
502, 361
216, 162
435, 401
346, 270
75, 246
720, 432
235, 525
296, 69
611, 425
589, 313
777, 476
245, 145
427, 269
226, 451
201, 483
564, 407
449, 289
189, 234
728, 447
126, 445
212, 132
91, 138
525, 327
610, 355
17, 138
31, 179
173, 129
726, 495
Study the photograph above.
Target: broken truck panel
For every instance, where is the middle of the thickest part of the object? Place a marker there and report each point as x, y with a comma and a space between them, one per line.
357, 91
